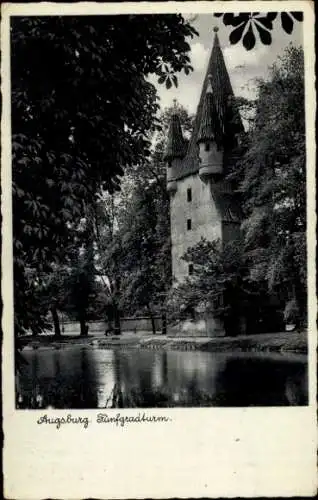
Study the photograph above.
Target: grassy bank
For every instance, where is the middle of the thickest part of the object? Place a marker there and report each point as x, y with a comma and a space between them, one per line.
276, 342
267, 342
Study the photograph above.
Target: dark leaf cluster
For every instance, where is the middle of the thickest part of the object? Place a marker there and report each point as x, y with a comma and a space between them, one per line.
247, 25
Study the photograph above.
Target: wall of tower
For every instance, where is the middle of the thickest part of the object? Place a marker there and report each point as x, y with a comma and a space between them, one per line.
205, 220
211, 160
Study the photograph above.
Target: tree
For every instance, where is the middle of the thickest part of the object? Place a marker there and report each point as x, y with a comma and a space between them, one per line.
53, 294
133, 251
144, 230
81, 284
153, 169
82, 109
274, 183
104, 218
132, 235
36, 307
67, 287
146, 251
216, 285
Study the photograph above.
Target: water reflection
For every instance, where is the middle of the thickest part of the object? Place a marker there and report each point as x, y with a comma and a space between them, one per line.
86, 377
64, 378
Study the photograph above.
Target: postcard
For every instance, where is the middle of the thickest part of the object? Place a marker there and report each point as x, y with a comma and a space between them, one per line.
158, 257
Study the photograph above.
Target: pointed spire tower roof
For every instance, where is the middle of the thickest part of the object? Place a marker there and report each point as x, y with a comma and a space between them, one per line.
218, 79
175, 147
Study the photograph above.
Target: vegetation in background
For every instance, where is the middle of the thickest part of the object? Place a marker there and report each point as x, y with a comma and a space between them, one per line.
133, 237
268, 265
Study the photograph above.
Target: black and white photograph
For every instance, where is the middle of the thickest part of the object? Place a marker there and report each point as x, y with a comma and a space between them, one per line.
159, 210
158, 250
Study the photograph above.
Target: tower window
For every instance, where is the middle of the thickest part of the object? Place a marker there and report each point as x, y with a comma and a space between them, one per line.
190, 269
207, 146
189, 224
189, 194
169, 163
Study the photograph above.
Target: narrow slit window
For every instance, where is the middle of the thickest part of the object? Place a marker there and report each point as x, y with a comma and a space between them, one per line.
207, 146
190, 269
189, 224
189, 194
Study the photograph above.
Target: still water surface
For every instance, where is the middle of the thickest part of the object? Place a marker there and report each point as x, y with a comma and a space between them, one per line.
88, 377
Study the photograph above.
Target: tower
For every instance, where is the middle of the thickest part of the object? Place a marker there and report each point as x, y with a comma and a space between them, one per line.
202, 201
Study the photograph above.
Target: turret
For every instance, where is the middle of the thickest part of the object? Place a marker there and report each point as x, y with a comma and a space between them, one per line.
209, 138
175, 151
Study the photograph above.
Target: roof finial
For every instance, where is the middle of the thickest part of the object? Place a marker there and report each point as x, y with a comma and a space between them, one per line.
216, 38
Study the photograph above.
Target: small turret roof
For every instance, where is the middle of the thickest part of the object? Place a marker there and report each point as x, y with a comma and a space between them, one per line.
175, 144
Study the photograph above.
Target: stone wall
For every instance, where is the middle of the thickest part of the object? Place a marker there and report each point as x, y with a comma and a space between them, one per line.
133, 325
204, 326
140, 324
205, 220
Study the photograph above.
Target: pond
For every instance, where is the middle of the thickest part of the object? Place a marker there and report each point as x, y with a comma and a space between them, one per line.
90, 377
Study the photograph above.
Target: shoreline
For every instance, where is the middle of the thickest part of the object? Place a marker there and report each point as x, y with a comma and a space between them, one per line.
279, 342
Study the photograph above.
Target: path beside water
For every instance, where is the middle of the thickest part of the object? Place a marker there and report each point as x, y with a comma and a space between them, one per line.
266, 342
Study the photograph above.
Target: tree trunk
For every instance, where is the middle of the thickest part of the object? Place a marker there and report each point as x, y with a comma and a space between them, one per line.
83, 327
164, 368
164, 323
116, 320
153, 324
56, 322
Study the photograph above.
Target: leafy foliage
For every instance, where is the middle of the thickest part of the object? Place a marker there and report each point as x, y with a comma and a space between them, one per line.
218, 284
274, 184
249, 24
134, 231
215, 269
146, 243
82, 112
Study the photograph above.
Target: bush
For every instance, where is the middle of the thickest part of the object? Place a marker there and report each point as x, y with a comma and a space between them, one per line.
291, 312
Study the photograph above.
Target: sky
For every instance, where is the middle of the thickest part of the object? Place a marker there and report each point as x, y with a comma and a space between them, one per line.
243, 66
